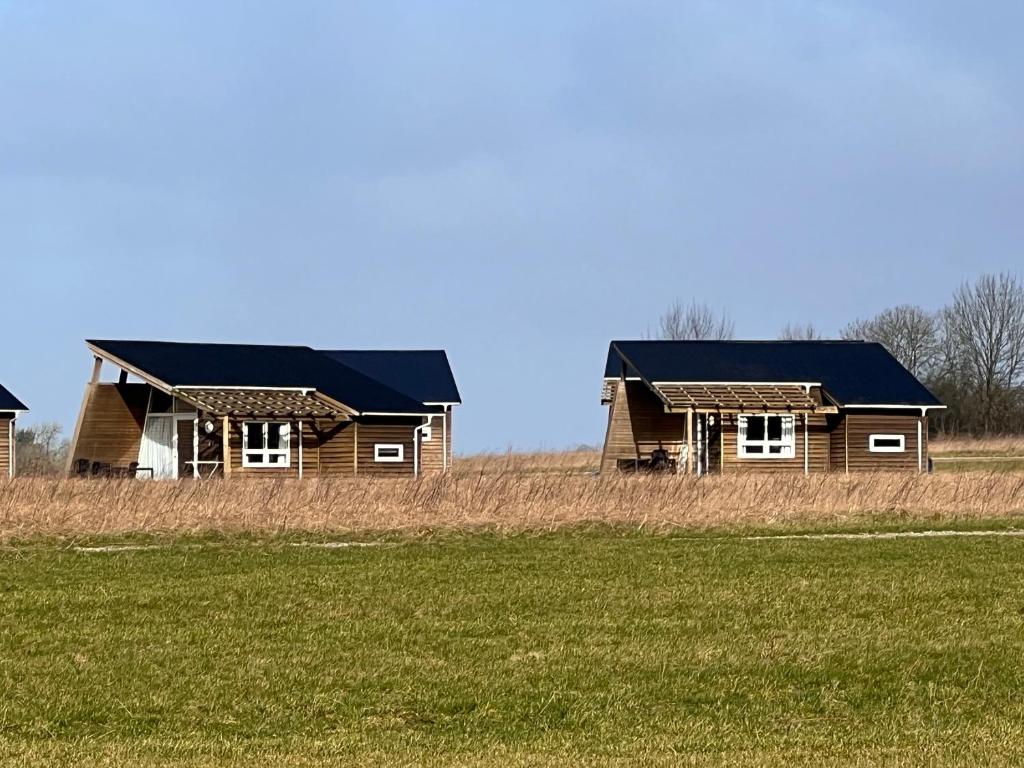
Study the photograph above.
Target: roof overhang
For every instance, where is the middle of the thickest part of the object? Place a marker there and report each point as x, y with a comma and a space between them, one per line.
263, 402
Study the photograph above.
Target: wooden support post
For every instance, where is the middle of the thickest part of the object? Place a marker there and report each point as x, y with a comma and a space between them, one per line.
689, 440
355, 448
807, 468
921, 455
846, 442
226, 446
721, 443
195, 446
300, 449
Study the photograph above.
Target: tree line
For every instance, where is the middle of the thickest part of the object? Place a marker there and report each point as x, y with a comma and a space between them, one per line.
969, 353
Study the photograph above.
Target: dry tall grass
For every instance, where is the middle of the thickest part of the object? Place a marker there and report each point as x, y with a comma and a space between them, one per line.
1012, 445
503, 501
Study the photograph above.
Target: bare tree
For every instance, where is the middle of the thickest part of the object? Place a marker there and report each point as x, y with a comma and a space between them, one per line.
697, 321
798, 332
40, 449
911, 334
985, 331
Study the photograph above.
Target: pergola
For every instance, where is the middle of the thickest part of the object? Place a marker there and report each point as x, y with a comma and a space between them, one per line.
741, 398
263, 403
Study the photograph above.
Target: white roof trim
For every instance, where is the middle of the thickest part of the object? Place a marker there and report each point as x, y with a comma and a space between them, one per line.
895, 406
393, 413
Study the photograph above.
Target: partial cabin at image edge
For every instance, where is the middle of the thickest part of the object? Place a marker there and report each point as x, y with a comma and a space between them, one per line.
214, 410
713, 407
10, 408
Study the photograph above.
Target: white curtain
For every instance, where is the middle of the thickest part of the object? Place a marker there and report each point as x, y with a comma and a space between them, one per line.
157, 448
788, 438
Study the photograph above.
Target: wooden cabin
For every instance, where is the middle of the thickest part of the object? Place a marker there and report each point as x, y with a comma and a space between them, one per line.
10, 408
710, 407
182, 410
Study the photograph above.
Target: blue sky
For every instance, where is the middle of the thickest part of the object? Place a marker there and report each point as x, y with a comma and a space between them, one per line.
515, 182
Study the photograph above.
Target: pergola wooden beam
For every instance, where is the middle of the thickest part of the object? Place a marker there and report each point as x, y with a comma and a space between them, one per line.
261, 403
740, 398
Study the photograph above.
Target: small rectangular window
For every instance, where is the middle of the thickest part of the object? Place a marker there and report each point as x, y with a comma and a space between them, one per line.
887, 443
389, 452
428, 434
266, 444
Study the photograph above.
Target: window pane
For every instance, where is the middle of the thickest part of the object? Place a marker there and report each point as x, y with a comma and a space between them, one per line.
273, 436
254, 458
254, 436
774, 427
275, 458
754, 449
755, 428
887, 442
774, 449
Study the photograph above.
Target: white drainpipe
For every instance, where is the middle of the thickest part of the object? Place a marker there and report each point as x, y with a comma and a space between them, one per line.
416, 435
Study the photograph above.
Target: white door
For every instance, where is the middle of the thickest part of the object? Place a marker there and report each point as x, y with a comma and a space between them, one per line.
157, 449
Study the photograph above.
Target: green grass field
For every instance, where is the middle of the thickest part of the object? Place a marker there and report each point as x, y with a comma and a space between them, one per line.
587, 648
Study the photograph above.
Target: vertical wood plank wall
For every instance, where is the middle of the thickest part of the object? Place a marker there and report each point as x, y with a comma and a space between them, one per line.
112, 421
638, 424
5, 445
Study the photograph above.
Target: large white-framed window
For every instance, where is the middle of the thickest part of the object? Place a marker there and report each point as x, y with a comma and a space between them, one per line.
766, 436
887, 443
266, 444
389, 453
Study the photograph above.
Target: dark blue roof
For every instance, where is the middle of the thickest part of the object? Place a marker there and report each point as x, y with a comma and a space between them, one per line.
257, 365
9, 402
853, 372
423, 375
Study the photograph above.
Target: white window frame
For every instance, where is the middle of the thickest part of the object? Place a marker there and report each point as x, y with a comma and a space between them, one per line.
286, 452
377, 447
874, 448
788, 441
426, 434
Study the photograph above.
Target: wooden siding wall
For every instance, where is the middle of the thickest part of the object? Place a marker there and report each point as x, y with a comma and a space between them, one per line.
432, 453
817, 444
5, 446
637, 424
371, 433
333, 450
112, 423
854, 429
